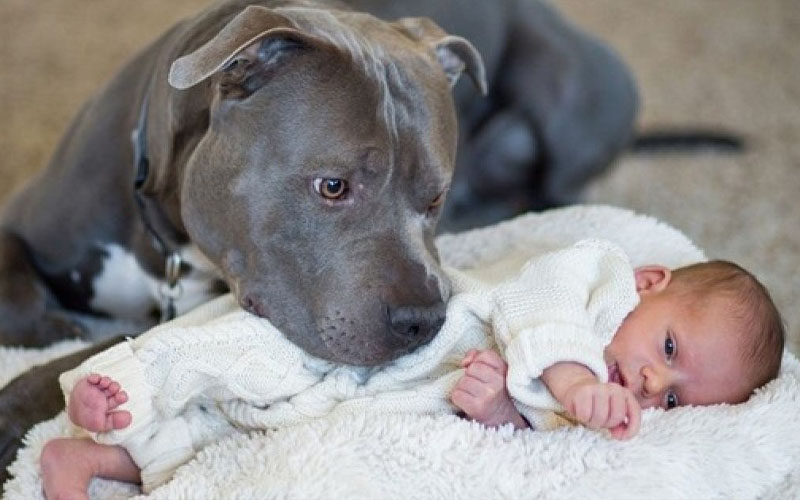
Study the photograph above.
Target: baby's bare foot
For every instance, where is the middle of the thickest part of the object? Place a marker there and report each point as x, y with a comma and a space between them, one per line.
92, 403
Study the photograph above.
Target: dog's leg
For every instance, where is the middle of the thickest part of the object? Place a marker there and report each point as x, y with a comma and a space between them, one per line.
500, 173
19, 412
29, 315
575, 90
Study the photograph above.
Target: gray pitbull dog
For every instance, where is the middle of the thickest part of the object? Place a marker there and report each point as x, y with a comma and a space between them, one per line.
298, 153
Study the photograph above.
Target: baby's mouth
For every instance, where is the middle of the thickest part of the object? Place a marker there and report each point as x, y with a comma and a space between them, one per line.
615, 376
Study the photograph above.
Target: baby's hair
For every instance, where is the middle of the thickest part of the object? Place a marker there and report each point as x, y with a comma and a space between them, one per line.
763, 328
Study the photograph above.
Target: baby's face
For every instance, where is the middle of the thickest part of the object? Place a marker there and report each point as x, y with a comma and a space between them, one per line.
669, 354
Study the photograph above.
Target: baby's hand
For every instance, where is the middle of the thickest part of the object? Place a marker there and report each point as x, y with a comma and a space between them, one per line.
604, 406
482, 392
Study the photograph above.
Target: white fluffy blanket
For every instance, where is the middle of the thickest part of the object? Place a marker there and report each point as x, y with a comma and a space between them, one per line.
750, 450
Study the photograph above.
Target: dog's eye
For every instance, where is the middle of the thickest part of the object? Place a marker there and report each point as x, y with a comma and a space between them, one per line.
331, 188
436, 203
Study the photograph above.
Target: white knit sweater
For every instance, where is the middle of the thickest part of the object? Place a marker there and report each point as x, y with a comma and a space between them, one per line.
217, 369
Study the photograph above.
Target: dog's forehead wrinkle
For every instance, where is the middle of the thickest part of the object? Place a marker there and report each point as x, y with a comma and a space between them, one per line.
366, 52
426, 173
424, 155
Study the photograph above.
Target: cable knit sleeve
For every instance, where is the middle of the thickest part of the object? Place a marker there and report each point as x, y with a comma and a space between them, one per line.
564, 306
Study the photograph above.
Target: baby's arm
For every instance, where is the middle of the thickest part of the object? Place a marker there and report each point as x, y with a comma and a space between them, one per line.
564, 306
595, 404
482, 392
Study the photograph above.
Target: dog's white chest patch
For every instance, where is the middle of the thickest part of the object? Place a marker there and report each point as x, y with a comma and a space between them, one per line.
124, 290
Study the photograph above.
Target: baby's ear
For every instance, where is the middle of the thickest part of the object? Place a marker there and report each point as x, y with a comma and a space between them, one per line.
652, 278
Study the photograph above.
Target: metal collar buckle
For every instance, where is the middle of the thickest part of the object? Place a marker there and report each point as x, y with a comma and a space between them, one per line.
171, 290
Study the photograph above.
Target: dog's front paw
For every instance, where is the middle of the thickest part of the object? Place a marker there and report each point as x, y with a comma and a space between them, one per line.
41, 331
57, 325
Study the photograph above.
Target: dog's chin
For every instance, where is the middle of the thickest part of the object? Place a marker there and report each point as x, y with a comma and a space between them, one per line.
348, 349
369, 351
367, 354
372, 358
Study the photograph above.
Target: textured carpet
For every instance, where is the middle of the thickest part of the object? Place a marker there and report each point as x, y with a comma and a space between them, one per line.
729, 64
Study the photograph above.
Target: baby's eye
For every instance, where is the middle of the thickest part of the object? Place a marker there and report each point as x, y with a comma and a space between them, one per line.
669, 347
671, 400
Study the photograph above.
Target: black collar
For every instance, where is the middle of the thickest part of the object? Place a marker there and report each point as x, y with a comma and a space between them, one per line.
171, 289
139, 137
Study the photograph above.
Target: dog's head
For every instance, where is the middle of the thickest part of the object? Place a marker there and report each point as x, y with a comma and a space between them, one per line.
318, 183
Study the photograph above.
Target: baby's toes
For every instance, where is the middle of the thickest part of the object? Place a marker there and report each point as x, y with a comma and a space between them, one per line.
104, 382
113, 388
117, 399
93, 378
118, 419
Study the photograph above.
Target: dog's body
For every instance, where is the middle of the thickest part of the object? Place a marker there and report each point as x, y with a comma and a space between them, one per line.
300, 158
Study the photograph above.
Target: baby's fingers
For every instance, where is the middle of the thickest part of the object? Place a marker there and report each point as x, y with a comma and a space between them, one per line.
465, 396
600, 411
634, 417
486, 374
461, 398
492, 359
633, 420
617, 411
581, 408
469, 357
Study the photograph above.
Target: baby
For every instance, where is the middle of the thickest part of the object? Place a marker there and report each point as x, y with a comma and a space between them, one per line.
581, 334
703, 334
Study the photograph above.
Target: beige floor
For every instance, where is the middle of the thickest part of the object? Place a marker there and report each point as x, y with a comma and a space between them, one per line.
733, 64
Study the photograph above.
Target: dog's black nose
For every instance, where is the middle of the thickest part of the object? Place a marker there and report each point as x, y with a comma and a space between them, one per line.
416, 324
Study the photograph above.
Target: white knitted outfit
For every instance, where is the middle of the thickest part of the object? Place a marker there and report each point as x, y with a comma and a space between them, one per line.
202, 376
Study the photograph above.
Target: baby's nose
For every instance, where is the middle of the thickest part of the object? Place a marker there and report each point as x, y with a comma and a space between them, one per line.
655, 381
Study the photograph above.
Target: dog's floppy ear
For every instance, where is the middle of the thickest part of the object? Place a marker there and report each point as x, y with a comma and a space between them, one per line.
454, 53
256, 35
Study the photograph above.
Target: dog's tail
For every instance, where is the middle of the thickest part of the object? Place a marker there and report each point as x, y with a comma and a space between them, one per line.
681, 140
